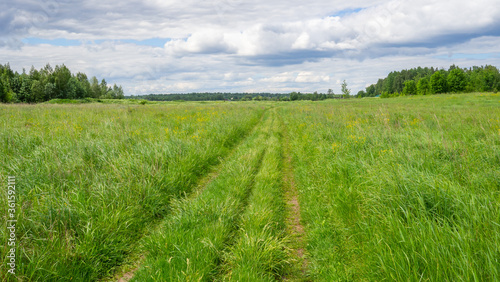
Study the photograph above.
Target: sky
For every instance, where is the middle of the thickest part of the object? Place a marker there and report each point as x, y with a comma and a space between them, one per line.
181, 46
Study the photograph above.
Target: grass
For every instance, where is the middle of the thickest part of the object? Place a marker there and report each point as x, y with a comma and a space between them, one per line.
200, 240
93, 178
259, 252
399, 189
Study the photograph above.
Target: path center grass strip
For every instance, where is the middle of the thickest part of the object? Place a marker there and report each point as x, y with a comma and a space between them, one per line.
190, 244
259, 251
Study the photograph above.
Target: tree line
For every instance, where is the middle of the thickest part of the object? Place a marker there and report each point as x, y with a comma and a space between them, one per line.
227, 96
208, 96
425, 81
52, 83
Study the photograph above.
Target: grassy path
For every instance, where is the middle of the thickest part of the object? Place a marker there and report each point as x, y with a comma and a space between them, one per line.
127, 271
259, 252
189, 244
234, 228
295, 229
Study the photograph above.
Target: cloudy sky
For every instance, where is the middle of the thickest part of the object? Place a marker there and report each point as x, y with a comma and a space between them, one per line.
173, 46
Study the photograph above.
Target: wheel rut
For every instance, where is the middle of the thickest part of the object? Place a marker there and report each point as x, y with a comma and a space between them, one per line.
131, 268
295, 228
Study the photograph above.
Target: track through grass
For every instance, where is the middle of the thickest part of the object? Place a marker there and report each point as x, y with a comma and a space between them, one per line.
258, 251
190, 243
295, 229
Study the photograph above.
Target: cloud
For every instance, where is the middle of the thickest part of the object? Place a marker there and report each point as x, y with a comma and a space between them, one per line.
369, 32
234, 45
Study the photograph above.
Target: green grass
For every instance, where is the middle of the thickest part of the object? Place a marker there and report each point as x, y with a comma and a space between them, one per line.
93, 178
400, 190
403, 189
189, 244
259, 252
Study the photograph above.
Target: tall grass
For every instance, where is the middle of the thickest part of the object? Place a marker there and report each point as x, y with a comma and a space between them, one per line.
189, 245
92, 178
395, 189
259, 251
400, 190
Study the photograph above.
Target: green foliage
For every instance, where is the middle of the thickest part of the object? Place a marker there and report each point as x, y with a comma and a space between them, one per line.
345, 91
423, 86
476, 79
48, 83
3, 92
457, 80
438, 83
361, 93
410, 88
370, 91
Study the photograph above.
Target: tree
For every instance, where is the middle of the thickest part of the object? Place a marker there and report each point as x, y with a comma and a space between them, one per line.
410, 88
3, 93
457, 81
345, 90
361, 94
294, 96
423, 86
37, 91
75, 89
104, 88
95, 89
370, 91
84, 82
438, 83
62, 75
118, 90
50, 90
24, 93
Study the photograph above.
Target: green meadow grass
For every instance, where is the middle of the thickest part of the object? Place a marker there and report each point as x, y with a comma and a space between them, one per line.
402, 189
233, 228
93, 178
259, 251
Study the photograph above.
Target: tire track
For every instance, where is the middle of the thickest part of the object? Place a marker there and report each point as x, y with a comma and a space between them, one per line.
190, 241
127, 271
295, 229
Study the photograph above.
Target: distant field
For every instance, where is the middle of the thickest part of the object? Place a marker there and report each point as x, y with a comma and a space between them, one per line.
403, 189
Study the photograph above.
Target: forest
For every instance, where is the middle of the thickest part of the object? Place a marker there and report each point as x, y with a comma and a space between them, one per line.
425, 81
52, 83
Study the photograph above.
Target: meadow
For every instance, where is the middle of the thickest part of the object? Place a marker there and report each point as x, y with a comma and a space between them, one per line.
401, 189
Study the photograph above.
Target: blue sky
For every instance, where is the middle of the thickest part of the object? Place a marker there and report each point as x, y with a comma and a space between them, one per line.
156, 46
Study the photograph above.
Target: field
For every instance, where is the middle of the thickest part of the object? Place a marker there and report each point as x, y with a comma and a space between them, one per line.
402, 189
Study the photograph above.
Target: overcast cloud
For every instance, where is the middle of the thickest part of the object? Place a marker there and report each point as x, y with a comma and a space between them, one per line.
247, 46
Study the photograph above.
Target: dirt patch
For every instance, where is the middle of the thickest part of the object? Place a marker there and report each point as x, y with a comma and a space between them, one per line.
127, 276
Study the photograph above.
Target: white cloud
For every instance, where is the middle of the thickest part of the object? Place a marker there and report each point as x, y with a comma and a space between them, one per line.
235, 45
